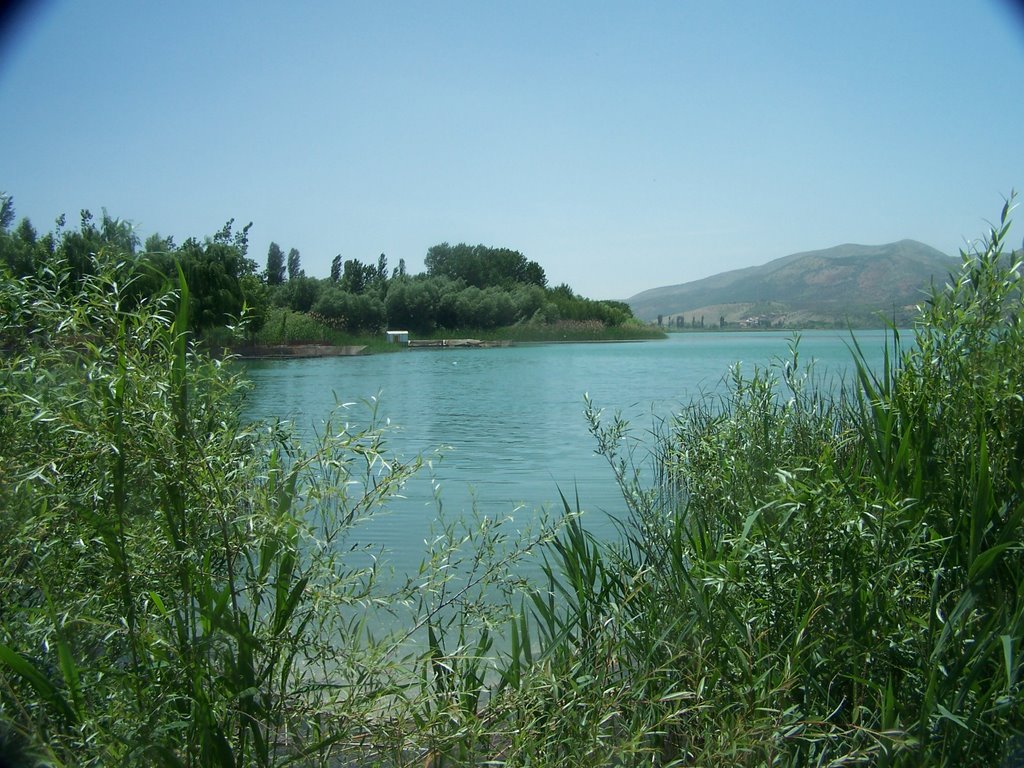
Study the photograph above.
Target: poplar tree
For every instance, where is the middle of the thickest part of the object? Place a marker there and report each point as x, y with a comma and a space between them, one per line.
294, 266
275, 265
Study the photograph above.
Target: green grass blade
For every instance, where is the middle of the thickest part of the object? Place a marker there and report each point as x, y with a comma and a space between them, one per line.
31, 675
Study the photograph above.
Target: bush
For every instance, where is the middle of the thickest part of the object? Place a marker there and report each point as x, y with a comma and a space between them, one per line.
178, 587
806, 577
170, 576
484, 309
350, 311
824, 579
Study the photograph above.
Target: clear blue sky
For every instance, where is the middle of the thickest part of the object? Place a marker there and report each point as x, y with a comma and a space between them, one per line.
623, 146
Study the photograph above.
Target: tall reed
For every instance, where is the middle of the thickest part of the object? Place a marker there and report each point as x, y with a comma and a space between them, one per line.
832, 579
807, 575
172, 579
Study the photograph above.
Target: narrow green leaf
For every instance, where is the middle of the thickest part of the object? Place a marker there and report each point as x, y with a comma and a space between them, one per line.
950, 716
158, 602
28, 672
1007, 641
284, 612
69, 669
984, 562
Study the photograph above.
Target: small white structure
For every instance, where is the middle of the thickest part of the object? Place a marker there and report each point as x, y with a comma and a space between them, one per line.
397, 337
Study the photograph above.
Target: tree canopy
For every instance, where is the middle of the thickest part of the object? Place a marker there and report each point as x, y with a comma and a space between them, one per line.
463, 288
275, 265
483, 267
221, 279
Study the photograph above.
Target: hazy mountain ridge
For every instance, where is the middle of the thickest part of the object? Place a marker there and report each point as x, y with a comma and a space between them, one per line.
846, 284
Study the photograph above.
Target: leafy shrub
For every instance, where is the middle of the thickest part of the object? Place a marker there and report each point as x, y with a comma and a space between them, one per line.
806, 576
350, 311
170, 576
834, 579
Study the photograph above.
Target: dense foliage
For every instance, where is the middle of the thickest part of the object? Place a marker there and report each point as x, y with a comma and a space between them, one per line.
465, 288
160, 601
179, 587
483, 267
222, 279
822, 581
804, 579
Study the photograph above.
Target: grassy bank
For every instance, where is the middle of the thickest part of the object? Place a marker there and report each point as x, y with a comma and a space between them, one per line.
568, 330
284, 327
808, 580
559, 331
824, 581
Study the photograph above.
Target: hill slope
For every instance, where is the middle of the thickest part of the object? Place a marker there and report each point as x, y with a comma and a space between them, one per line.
836, 286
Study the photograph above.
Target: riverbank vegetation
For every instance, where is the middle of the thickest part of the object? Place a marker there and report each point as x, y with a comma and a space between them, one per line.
806, 577
284, 326
465, 291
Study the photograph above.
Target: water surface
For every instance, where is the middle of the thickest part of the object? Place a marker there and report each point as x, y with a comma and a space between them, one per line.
505, 427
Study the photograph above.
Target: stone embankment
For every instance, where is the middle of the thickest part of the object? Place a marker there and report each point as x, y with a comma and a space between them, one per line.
453, 343
296, 351
299, 351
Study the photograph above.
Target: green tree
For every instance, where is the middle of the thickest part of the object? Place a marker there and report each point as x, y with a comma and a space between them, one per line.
483, 267
356, 277
239, 240
336, 268
528, 299
294, 264
299, 294
615, 312
155, 243
332, 303
26, 232
21, 250
353, 312
368, 313
275, 265
533, 274
6, 211
213, 271
484, 309
256, 298
79, 247
418, 303
118, 234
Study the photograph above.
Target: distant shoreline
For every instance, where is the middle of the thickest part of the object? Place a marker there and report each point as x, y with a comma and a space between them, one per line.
313, 351
297, 351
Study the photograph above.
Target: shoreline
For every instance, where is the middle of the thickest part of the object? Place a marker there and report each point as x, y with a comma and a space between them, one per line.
297, 351
312, 351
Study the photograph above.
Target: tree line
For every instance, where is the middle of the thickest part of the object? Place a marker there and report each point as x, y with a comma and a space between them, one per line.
799, 574
463, 286
221, 278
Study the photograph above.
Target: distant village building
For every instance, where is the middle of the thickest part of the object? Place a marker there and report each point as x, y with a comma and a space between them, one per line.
397, 337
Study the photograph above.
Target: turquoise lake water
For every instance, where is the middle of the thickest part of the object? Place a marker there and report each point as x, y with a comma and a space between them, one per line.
505, 427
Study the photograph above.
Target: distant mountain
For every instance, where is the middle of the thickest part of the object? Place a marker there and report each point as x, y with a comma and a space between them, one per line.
840, 286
